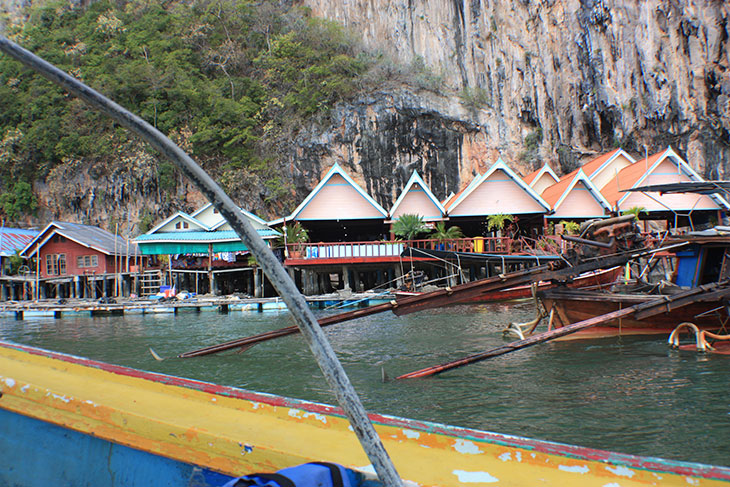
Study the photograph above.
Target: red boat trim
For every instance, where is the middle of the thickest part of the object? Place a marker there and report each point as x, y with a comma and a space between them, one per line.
553, 448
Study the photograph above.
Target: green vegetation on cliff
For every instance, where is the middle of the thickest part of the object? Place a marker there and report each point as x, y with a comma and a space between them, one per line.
226, 80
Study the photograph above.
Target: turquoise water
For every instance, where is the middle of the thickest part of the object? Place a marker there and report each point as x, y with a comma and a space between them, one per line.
632, 395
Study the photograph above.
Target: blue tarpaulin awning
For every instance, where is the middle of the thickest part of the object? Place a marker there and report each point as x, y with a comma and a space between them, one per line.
193, 242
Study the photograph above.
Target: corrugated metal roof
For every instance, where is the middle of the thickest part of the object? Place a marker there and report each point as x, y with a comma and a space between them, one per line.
87, 235
14, 240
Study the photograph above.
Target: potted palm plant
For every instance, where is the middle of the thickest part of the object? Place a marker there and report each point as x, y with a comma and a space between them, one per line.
498, 221
442, 234
293, 234
409, 226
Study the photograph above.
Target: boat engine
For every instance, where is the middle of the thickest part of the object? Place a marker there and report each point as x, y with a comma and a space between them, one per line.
603, 237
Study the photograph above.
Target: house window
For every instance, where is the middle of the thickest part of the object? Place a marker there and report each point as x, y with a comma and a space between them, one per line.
83, 261
56, 264
182, 225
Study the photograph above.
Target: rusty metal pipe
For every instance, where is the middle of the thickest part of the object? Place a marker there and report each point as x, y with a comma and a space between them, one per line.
593, 243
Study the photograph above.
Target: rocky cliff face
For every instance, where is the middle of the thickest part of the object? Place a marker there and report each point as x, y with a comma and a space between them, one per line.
555, 81
531, 82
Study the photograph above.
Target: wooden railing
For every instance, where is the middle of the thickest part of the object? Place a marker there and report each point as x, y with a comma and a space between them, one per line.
544, 245
393, 248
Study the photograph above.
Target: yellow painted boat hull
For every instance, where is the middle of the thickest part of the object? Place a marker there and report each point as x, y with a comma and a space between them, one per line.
236, 432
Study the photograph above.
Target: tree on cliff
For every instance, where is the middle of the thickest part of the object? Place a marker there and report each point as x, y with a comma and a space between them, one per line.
235, 76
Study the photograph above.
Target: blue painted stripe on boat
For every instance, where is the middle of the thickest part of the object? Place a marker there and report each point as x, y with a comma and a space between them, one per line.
39, 454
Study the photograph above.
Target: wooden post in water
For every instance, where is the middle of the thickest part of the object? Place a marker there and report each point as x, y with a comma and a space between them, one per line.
210, 269
36, 292
256, 283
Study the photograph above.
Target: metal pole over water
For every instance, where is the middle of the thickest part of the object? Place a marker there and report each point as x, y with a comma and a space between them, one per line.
313, 334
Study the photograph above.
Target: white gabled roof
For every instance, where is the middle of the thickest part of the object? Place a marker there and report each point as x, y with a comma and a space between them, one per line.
682, 166
201, 210
500, 165
416, 179
181, 216
254, 219
581, 177
608, 161
546, 169
336, 169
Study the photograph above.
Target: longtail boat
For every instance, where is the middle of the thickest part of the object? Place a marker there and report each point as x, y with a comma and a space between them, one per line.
71, 418
701, 265
593, 279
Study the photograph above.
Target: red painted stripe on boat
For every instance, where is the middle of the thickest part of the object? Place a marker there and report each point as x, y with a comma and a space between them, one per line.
559, 449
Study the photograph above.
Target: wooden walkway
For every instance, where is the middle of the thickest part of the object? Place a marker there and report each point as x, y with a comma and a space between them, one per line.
60, 308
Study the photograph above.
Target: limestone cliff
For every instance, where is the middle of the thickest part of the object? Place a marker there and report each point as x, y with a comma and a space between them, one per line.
532, 82
560, 81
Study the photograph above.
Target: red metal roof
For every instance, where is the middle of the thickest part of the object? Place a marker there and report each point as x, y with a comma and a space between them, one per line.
14, 240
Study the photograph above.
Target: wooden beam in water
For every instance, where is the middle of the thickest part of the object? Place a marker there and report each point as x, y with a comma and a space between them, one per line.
289, 330
441, 297
647, 309
434, 298
519, 344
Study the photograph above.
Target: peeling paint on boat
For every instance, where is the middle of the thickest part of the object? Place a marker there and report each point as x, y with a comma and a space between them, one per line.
574, 469
414, 435
60, 397
466, 447
623, 471
300, 414
243, 431
9, 382
475, 477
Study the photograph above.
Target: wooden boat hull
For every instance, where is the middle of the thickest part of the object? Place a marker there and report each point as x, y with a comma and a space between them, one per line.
587, 280
151, 428
572, 307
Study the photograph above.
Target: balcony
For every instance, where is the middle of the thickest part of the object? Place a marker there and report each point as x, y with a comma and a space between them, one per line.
390, 251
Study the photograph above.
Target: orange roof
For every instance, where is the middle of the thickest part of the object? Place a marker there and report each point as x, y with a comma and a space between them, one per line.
553, 193
528, 179
447, 204
545, 169
627, 178
591, 166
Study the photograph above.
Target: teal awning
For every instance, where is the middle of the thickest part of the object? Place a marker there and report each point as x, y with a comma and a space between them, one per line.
193, 242
171, 248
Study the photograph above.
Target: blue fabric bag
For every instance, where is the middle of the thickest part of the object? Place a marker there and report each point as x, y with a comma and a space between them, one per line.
316, 474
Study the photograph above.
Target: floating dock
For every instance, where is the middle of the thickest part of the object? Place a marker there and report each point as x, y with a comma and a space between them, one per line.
59, 309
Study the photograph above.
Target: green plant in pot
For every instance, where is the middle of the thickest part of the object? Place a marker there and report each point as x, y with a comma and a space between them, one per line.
293, 233
409, 226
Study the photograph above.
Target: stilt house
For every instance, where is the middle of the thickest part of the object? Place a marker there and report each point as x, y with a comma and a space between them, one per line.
677, 209
339, 210
498, 191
